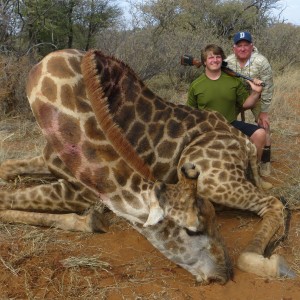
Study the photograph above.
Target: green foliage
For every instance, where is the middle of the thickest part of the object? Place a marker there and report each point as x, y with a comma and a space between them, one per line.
46, 25
280, 44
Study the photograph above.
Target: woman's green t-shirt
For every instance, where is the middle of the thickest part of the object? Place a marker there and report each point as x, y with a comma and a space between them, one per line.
225, 95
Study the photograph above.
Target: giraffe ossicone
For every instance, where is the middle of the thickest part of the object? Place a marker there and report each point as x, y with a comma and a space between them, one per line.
157, 164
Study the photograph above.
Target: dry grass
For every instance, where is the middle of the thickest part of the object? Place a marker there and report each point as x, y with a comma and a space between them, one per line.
13, 131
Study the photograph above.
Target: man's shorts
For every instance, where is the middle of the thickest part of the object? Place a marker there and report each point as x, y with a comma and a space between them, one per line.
245, 128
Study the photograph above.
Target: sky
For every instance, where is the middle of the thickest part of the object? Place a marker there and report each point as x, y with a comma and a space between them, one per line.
290, 13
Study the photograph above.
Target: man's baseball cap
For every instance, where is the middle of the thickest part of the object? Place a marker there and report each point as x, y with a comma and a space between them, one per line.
242, 35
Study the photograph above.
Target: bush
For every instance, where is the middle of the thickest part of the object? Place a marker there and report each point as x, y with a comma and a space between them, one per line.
13, 74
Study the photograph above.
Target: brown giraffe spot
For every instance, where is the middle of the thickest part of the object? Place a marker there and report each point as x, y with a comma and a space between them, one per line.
160, 168
174, 129
92, 131
149, 159
219, 145
220, 189
155, 133
126, 116
223, 176
144, 109
94, 153
49, 89
147, 93
122, 172
233, 146
131, 91
208, 181
135, 182
75, 66
159, 106
67, 96
69, 128
135, 203
217, 164
136, 132
143, 145
166, 147
179, 113
58, 67
82, 105
205, 164
57, 162
171, 245
221, 126
99, 179
71, 156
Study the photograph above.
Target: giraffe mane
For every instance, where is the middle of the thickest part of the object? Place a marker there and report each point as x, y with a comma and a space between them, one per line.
100, 106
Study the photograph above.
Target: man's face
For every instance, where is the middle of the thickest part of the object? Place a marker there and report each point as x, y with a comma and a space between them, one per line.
243, 50
213, 61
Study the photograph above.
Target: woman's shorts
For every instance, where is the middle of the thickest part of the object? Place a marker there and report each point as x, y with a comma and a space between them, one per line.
246, 128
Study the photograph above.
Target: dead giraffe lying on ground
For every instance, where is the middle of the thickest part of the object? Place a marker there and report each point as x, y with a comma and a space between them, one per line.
109, 138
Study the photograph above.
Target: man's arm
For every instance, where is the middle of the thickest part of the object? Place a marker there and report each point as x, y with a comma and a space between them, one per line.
255, 94
266, 76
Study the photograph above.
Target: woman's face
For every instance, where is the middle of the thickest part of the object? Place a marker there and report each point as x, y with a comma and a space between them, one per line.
213, 61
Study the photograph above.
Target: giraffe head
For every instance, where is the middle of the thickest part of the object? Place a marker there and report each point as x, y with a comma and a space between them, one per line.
191, 238
179, 202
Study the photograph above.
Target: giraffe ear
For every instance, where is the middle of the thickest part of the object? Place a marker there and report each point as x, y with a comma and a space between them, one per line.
156, 213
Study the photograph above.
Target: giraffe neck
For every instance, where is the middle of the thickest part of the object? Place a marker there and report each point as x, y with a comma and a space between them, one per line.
68, 122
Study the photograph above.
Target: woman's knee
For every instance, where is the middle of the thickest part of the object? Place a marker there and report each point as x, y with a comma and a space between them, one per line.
259, 136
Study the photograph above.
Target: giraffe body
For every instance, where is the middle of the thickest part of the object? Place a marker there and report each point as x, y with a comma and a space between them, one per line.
159, 165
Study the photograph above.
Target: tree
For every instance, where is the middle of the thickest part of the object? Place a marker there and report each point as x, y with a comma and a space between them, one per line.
46, 25
93, 16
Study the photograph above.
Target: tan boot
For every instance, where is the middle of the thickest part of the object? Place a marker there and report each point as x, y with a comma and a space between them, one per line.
265, 169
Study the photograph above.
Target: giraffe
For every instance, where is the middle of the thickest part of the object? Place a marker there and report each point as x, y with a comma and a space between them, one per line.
110, 139
77, 144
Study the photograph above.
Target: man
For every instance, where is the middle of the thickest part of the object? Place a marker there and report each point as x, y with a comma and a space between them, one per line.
247, 61
215, 90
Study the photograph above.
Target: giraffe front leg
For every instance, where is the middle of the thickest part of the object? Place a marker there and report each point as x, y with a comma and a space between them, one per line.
93, 221
11, 168
32, 206
252, 260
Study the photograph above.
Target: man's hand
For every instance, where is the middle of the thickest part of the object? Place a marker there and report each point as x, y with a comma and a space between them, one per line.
263, 120
254, 95
256, 85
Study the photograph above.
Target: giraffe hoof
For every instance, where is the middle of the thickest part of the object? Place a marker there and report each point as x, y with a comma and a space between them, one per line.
273, 267
284, 270
99, 222
266, 185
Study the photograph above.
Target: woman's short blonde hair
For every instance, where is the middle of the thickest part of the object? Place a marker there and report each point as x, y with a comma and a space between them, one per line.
215, 49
